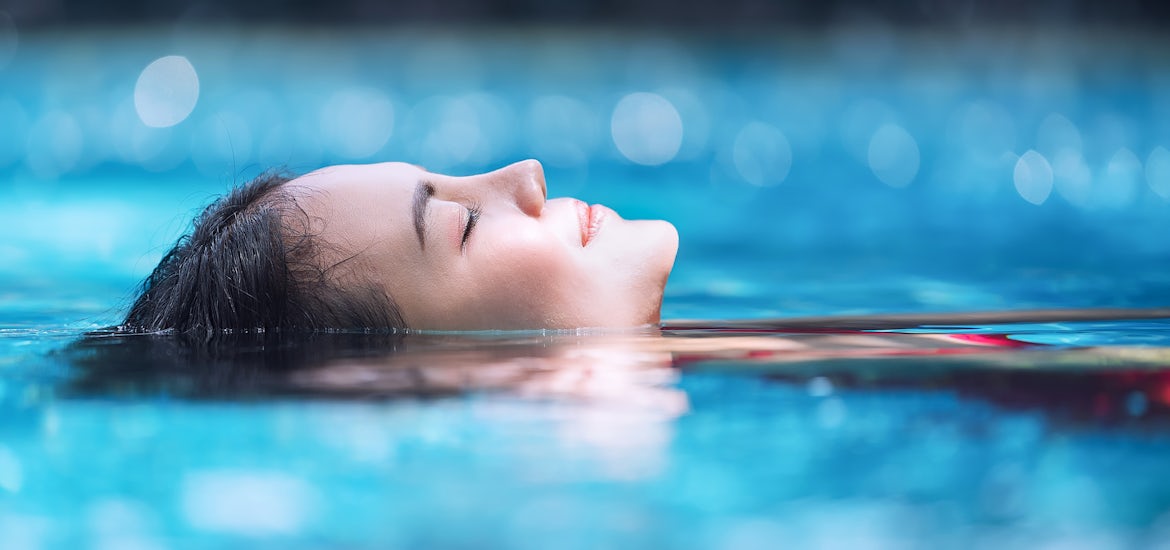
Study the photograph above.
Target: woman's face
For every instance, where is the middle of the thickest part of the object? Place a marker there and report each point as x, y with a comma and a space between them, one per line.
487, 251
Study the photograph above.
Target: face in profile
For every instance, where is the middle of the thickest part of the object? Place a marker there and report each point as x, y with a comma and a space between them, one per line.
487, 251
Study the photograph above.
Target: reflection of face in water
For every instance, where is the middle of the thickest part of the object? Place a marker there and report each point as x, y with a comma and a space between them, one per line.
599, 367
488, 251
360, 365
633, 368
610, 399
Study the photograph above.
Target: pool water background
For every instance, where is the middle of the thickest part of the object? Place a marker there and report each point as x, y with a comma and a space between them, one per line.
772, 181
796, 193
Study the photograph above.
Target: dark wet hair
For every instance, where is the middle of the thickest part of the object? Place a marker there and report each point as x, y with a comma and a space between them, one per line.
224, 365
252, 263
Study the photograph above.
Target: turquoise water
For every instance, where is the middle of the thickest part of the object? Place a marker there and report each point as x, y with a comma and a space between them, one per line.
825, 180
885, 439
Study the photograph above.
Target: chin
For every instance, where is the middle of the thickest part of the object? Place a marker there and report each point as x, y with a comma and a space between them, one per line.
672, 240
629, 267
659, 240
662, 246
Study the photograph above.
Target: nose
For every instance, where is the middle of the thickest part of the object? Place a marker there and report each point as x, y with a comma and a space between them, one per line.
523, 183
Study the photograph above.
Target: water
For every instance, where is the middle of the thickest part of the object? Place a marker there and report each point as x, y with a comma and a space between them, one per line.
797, 195
739, 435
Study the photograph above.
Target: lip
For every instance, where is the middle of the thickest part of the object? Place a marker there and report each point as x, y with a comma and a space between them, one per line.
590, 219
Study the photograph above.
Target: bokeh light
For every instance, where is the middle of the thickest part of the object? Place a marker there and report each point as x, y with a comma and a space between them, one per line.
497, 123
166, 92
762, 154
246, 502
447, 130
1120, 181
893, 155
1033, 177
646, 128
696, 119
562, 131
357, 122
122, 523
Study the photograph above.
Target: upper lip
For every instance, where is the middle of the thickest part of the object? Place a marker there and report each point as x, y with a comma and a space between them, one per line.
584, 218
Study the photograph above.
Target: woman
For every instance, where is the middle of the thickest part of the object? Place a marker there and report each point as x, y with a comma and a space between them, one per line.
392, 246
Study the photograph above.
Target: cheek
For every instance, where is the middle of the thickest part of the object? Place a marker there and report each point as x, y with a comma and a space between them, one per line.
531, 257
530, 249
529, 275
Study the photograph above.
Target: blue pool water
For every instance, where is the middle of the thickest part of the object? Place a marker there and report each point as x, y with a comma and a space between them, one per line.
826, 180
532, 441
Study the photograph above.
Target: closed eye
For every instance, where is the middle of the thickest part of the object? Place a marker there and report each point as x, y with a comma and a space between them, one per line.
473, 213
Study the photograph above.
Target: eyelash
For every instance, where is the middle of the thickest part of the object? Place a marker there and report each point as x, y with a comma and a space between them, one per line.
473, 213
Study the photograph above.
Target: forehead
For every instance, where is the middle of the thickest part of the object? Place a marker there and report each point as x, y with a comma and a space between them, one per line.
353, 186
347, 176
356, 205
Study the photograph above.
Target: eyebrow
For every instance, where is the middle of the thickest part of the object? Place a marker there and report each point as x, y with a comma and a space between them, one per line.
422, 198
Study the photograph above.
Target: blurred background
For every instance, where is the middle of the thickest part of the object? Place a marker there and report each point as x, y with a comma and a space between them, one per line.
817, 157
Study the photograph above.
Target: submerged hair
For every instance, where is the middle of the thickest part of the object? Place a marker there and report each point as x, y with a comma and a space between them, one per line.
252, 263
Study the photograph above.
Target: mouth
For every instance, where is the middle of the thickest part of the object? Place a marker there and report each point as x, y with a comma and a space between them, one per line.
591, 219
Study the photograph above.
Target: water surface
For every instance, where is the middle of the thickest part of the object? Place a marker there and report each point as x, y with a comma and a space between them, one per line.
882, 431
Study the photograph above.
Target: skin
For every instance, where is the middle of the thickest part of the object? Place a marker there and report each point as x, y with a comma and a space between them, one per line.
523, 265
